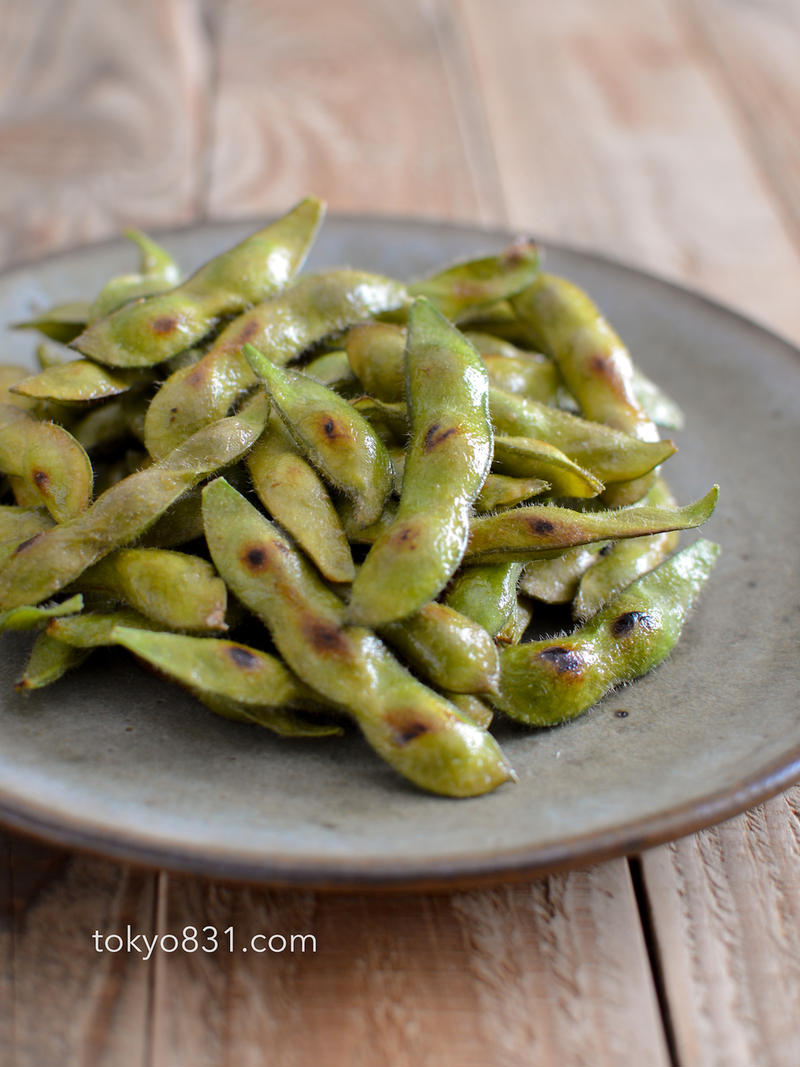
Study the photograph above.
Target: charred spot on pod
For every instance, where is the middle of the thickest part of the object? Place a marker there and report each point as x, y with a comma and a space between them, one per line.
242, 657
405, 536
256, 557
630, 621
197, 375
325, 637
604, 551
601, 365
565, 660
435, 435
40, 478
164, 324
406, 727
247, 333
539, 525
332, 428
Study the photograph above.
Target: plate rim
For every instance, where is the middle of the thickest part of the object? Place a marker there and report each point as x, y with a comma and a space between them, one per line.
460, 871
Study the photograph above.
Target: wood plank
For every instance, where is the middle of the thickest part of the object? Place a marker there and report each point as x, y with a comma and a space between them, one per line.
70, 1004
550, 972
726, 913
350, 101
635, 151
101, 119
755, 50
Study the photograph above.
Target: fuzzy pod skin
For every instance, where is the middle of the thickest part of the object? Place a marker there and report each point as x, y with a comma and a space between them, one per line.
548, 682
174, 590
611, 455
51, 560
469, 287
157, 272
472, 707
566, 325
28, 617
448, 458
283, 327
518, 622
332, 369
78, 382
450, 650
48, 460
524, 457
295, 496
556, 581
624, 561
149, 331
376, 353
181, 523
486, 593
338, 441
416, 731
543, 531
500, 491
17, 524
48, 661
516, 370
60, 323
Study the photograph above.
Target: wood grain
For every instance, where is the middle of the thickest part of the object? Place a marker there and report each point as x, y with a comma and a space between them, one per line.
69, 1004
551, 972
102, 119
350, 101
610, 132
725, 908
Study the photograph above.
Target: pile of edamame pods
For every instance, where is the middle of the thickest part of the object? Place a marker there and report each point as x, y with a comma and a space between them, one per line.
312, 498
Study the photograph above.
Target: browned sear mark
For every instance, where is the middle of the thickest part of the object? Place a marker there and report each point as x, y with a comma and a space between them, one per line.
625, 624
28, 543
565, 660
325, 637
406, 537
405, 729
540, 526
247, 332
164, 324
255, 558
435, 435
332, 428
40, 478
242, 657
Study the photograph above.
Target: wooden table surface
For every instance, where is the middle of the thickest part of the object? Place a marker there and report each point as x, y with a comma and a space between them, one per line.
663, 132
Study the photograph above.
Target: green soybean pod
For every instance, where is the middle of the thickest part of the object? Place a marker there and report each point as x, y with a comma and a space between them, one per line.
526, 457
468, 287
450, 650
486, 593
516, 370
151, 330
556, 581
296, 497
283, 327
338, 440
77, 382
48, 661
547, 682
52, 559
500, 491
48, 460
332, 369
175, 590
28, 617
17, 524
416, 731
60, 323
542, 531
611, 455
157, 271
448, 459
376, 352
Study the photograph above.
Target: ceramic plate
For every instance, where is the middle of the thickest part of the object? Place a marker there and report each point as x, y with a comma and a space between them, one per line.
114, 760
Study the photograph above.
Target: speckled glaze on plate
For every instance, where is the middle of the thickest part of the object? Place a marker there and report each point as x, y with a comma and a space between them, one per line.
113, 760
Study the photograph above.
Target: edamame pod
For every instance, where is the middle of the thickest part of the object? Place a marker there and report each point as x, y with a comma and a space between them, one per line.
28, 617
176, 591
61, 323
555, 581
416, 731
547, 682
48, 460
283, 327
17, 524
77, 382
376, 352
542, 531
52, 559
332, 369
149, 331
529, 374
295, 496
469, 287
486, 593
336, 438
526, 457
48, 661
609, 454
448, 459
451, 651
157, 271
500, 491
